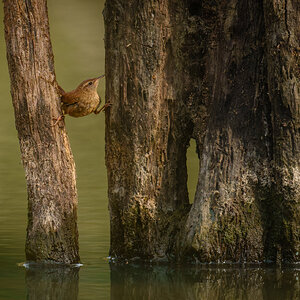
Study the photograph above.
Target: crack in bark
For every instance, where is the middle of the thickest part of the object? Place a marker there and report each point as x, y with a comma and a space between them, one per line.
286, 19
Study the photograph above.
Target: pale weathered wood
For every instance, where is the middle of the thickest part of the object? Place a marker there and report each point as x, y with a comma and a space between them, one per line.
46, 154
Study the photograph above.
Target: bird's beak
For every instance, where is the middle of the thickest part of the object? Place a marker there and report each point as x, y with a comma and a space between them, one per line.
100, 76
96, 80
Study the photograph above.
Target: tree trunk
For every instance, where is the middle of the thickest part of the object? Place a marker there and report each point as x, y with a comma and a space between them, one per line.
225, 74
146, 137
46, 154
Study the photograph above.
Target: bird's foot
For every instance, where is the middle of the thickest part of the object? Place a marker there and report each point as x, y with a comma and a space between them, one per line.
103, 108
57, 120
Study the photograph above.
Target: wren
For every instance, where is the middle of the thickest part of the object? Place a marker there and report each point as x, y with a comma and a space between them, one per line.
82, 101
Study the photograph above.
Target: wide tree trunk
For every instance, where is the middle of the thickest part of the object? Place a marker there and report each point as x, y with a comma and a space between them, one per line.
226, 74
46, 154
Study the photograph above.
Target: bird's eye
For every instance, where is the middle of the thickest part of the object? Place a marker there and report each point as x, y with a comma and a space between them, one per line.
91, 82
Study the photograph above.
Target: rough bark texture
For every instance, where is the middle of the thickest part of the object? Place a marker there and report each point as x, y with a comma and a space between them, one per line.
46, 154
225, 73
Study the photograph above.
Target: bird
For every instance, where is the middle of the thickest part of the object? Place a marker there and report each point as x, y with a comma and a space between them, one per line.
82, 101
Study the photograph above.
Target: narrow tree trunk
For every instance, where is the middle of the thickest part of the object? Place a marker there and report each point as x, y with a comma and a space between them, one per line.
46, 154
215, 72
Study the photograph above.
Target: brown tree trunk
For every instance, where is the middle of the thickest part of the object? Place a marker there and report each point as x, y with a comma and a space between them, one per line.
226, 74
146, 133
49, 167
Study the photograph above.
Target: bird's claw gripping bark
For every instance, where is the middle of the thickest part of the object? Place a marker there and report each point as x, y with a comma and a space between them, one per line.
57, 120
103, 108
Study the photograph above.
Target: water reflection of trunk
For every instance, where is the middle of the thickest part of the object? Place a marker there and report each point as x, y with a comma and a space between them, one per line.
225, 73
134, 282
52, 283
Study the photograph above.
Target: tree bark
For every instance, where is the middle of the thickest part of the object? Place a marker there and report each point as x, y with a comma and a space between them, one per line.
225, 74
46, 154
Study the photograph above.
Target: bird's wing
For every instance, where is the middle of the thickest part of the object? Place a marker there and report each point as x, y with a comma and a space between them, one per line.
98, 108
69, 99
69, 103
